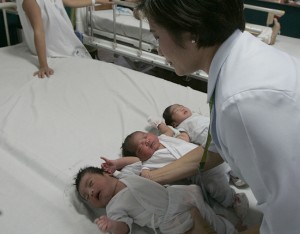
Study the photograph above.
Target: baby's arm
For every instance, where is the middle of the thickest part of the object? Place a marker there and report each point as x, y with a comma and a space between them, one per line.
165, 129
106, 224
184, 136
159, 123
168, 131
146, 173
110, 166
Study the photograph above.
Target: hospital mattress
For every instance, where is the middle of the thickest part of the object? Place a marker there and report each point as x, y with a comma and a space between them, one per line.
51, 127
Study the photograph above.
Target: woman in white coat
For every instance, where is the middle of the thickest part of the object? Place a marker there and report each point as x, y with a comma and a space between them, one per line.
255, 94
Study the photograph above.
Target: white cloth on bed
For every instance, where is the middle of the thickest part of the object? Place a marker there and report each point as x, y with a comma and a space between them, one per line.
151, 204
196, 126
174, 149
61, 40
255, 124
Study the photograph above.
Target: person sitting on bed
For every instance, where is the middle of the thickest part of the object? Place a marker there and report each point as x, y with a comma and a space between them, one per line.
157, 151
134, 199
192, 127
48, 30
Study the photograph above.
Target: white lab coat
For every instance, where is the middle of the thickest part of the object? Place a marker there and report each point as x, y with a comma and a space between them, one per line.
61, 40
256, 123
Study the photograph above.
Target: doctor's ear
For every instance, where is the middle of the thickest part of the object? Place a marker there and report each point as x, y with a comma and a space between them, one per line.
193, 38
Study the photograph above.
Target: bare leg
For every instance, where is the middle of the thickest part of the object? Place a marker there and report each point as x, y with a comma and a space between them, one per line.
275, 31
200, 225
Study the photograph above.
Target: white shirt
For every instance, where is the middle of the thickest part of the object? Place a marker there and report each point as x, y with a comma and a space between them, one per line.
61, 40
150, 204
196, 127
256, 123
174, 149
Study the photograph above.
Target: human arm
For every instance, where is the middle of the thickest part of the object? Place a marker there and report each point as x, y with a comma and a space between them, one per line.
33, 12
84, 3
182, 168
165, 129
213, 159
184, 136
146, 173
159, 123
106, 224
110, 166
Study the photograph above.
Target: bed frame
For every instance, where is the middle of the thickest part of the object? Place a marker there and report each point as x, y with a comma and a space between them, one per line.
136, 49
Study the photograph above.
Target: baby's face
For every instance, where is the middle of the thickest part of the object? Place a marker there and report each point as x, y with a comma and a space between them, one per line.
96, 189
179, 113
145, 144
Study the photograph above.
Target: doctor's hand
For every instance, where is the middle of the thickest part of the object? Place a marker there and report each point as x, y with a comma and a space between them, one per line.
44, 71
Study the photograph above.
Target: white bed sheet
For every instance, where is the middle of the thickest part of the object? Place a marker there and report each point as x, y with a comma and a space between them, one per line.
49, 128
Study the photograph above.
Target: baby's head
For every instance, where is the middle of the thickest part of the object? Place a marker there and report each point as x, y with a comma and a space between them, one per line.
176, 114
95, 186
140, 144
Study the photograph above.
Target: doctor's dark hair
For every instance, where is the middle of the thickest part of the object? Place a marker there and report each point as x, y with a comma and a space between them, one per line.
210, 22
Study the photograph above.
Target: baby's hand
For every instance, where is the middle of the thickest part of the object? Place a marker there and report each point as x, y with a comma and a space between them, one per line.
104, 223
44, 71
109, 166
146, 174
155, 121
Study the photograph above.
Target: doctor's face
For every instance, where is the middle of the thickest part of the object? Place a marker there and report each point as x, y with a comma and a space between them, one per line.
183, 58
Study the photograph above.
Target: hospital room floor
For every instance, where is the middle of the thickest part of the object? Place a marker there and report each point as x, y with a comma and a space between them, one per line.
108, 56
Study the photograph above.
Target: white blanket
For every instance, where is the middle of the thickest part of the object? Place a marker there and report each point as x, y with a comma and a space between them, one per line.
51, 127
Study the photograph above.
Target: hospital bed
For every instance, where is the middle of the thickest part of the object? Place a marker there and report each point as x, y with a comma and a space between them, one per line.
51, 127
119, 31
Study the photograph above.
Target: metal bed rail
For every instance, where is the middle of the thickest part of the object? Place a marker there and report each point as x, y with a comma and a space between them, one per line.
7, 7
141, 51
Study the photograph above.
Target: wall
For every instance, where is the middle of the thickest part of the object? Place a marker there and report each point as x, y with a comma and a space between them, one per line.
13, 24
